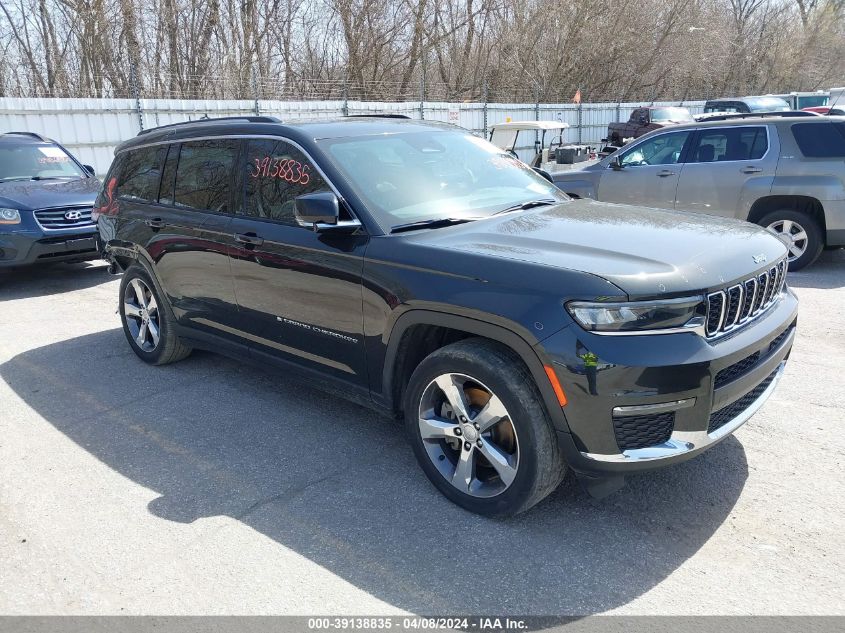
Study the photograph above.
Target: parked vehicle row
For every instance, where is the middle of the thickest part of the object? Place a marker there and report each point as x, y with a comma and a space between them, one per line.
423, 271
783, 173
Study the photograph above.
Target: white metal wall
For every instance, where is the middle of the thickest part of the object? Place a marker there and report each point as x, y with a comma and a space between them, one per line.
91, 128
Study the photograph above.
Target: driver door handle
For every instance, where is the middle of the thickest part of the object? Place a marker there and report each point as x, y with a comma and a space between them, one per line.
751, 170
665, 173
249, 238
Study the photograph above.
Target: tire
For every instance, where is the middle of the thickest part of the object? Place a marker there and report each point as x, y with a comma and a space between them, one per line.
796, 223
488, 378
143, 309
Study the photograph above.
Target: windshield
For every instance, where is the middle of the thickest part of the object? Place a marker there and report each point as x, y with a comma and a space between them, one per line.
421, 176
26, 161
670, 114
767, 104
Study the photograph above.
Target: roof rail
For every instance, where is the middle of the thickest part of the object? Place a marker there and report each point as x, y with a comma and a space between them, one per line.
380, 116
754, 115
248, 119
32, 134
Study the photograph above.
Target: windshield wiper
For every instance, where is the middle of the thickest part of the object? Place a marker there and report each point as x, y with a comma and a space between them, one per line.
50, 177
522, 206
429, 224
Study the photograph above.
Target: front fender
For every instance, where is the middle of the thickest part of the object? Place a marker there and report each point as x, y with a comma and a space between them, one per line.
519, 340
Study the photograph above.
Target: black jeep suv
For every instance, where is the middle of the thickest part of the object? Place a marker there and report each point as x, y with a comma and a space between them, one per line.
46, 197
417, 268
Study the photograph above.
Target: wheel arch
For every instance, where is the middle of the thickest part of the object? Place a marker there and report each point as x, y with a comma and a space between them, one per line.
419, 332
801, 203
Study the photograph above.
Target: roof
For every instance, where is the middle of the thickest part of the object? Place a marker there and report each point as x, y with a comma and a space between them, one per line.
302, 130
530, 125
23, 137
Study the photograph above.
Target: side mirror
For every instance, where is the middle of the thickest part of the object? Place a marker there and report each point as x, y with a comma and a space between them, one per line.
616, 163
314, 209
544, 174
88, 169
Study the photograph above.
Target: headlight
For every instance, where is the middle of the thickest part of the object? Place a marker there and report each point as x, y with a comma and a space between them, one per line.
9, 216
632, 316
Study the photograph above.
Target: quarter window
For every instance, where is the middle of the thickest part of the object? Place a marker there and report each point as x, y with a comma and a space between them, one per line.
727, 144
275, 173
820, 140
140, 173
664, 149
204, 174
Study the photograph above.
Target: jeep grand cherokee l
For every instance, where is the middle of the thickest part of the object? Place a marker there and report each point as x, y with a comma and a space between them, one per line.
416, 268
787, 174
46, 197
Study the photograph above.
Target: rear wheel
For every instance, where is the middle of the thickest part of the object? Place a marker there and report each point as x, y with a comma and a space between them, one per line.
479, 429
799, 232
148, 322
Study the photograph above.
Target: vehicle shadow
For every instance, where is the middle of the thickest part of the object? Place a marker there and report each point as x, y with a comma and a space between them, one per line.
828, 272
47, 279
338, 484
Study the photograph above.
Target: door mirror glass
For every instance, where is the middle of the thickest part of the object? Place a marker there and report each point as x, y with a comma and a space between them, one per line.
313, 209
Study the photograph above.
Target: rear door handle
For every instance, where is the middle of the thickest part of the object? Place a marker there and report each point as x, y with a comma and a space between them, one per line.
665, 173
751, 170
155, 223
249, 238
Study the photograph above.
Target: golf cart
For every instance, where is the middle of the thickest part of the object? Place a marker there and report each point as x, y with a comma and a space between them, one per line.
546, 141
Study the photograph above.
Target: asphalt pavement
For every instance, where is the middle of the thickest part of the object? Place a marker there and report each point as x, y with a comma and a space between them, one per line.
210, 487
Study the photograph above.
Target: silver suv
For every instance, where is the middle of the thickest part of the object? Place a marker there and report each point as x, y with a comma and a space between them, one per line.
786, 174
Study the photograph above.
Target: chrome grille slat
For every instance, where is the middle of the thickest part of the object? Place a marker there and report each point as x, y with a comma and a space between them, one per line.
54, 219
736, 305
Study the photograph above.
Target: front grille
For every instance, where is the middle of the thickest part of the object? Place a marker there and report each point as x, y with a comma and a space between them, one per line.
736, 370
642, 431
53, 219
719, 418
736, 305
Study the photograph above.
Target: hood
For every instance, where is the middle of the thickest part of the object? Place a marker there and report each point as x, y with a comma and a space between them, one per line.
42, 194
645, 252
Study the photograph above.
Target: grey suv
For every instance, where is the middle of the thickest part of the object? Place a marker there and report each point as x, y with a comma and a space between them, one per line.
785, 174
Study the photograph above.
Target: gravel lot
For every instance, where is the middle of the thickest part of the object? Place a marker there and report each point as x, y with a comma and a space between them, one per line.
208, 487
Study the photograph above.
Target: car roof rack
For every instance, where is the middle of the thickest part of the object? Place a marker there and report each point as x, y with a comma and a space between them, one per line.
31, 134
755, 115
380, 116
206, 119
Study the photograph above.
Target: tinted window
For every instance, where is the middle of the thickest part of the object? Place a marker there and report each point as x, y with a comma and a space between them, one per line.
820, 140
729, 143
276, 173
168, 175
140, 173
724, 106
204, 174
664, 149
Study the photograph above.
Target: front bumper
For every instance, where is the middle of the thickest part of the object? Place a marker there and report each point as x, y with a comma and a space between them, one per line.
640, 402
22, 248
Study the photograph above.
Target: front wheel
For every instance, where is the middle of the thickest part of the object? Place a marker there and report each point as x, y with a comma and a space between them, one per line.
800, 233
479, 429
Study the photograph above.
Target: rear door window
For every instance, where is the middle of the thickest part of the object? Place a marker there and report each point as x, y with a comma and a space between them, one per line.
729, 144
204, 175
275, 173
140, 174
820, 140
